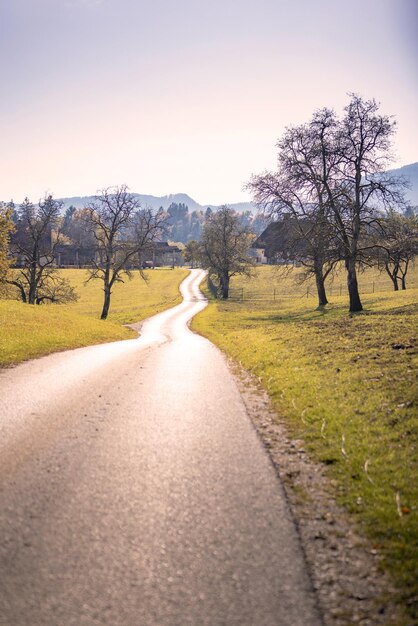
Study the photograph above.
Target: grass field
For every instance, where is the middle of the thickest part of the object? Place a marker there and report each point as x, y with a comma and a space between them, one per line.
30, 331
347, 386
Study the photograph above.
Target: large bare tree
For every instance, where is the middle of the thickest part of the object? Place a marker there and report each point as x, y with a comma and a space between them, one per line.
296, 195
362, 188
332, 172
122, 231
224, 247
33, 244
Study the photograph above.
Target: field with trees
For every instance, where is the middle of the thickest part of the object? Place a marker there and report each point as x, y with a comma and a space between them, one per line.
31, 331
344, 384
111, 237
332, 188
331, 331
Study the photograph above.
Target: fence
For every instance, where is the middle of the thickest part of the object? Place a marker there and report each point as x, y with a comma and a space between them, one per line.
251, 293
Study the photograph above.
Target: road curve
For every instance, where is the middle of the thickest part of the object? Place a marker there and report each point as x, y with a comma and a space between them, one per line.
134, 490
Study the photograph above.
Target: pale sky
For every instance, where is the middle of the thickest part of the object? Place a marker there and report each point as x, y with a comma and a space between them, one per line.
187, 96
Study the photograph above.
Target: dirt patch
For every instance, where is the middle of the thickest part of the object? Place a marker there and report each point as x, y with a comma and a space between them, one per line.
343, 566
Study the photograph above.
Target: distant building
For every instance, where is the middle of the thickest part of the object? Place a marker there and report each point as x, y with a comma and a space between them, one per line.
70, 255
161, 254
280, 243
258, 254
158, 254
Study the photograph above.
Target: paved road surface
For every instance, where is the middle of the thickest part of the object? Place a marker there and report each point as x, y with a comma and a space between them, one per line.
134, 491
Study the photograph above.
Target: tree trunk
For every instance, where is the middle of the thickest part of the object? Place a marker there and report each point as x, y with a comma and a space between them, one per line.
33, 282
320, 287
21, 289
403, 279
393, 277
355, 302
32, 287
225, 286
32, 294
106, 303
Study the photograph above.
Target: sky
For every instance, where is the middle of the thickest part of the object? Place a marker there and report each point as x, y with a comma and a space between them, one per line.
189, 96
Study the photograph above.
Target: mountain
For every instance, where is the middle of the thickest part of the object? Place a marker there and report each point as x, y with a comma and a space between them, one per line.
155, 202
410, 172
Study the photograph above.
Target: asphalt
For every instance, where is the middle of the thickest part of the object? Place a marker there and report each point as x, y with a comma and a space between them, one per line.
134, 490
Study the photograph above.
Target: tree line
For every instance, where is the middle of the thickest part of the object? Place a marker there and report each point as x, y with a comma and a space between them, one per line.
114, 227
112, 235
183, 226
180, 224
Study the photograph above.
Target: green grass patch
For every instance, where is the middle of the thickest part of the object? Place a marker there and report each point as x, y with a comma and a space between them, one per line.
29, 331
347, 386
133, 300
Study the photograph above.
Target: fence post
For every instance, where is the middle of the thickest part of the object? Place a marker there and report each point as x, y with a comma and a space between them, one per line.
373, 287
274, 294
242, 293
307, 292
341, 289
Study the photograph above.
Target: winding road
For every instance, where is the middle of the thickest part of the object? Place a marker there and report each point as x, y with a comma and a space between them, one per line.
134, 490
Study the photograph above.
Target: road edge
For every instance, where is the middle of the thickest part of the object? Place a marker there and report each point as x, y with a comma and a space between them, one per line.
343, 566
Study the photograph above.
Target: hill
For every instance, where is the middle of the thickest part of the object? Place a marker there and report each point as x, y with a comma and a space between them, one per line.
411, 173
155, 202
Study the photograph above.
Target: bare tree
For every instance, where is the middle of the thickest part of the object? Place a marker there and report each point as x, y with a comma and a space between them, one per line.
148, 228
33, 245
122, 231
332, 173
395, 241
361, 189
296, 195
224, 247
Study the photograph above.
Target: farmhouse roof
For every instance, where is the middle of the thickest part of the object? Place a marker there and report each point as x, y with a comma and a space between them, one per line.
164, 246
281, 237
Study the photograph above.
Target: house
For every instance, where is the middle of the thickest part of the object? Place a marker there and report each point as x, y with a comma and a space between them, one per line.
160, 254
280, 243
258, 254
156, 254
71, 255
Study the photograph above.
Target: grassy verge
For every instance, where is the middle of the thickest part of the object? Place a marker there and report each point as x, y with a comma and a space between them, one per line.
347, 386
30, 331
133, 300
